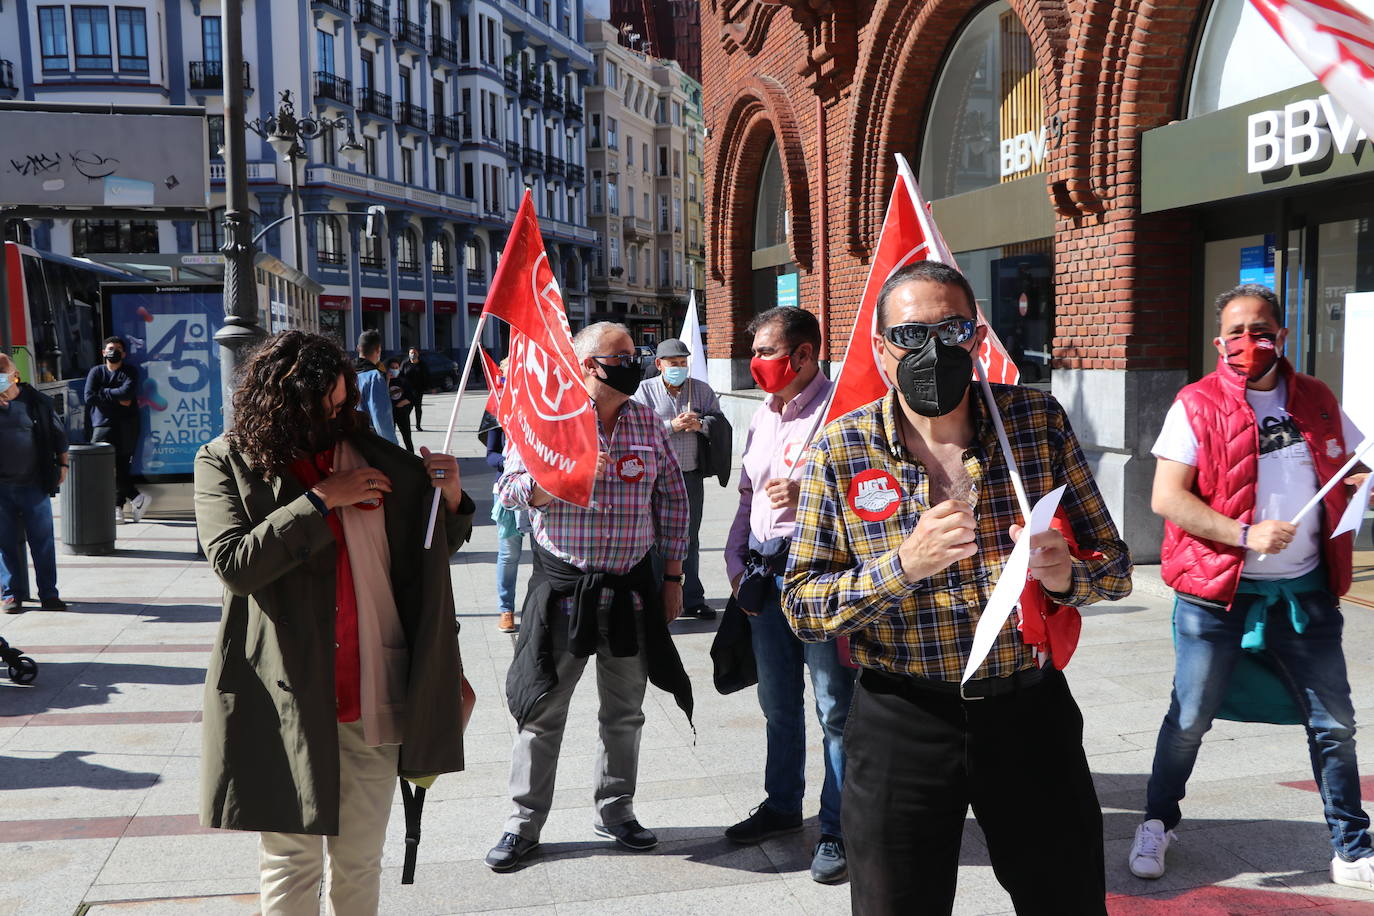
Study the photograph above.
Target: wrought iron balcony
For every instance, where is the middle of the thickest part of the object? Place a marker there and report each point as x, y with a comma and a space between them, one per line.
576, 173
530, 91
449, 128
512, 81
412, 115
476, 277
512, 151
571, 110
371, 261
373, 14
554, 166
533, 159
443, 48
329, 86
338, 6
410, 32
553, 99
407, 267
372, 102
209, 75
331, 257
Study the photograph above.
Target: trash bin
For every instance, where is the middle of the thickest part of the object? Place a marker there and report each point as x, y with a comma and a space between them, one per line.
88, 522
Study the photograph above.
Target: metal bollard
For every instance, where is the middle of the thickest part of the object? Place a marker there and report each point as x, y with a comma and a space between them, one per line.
88, 523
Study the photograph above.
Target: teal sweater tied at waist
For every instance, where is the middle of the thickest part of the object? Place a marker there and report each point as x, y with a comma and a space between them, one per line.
1276, 593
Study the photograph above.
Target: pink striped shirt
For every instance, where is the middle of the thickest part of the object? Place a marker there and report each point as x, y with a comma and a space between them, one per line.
778, 435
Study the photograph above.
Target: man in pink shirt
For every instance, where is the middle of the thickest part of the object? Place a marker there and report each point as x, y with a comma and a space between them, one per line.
786, 343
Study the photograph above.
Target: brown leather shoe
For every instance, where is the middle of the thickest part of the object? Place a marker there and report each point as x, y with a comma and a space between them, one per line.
507, 622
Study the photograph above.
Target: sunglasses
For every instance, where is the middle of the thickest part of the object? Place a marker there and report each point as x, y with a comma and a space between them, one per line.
914, 334
617, 359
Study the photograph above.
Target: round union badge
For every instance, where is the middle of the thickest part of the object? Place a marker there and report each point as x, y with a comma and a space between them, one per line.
630, 468
874, 495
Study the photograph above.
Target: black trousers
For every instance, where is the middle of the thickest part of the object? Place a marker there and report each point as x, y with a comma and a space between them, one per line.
419, 405
124, 438
403, 424
916, 760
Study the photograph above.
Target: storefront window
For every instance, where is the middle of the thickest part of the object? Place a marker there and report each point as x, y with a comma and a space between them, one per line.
1240, 58
986, 123
1014, 286
1345, 264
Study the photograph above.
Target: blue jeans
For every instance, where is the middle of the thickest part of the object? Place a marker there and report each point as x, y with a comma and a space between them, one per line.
508, 552
1311, 663
781, 658
30, 507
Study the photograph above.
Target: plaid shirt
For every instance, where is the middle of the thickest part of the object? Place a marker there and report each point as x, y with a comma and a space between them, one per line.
844, 576
633, 509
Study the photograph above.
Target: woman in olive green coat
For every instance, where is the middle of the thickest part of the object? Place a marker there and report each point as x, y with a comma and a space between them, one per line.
269, 499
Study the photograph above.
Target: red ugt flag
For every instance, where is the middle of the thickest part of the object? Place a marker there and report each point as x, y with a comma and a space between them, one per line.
544, 409
908, 235
492, 372
1336, 42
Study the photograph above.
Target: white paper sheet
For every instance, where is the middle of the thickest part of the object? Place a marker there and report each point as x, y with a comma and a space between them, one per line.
1353, 517
1007, 592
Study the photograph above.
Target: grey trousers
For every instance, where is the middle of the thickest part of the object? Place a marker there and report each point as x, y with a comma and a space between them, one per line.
620, 683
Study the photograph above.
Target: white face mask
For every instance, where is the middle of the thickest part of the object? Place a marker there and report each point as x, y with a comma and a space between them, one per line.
6, 382
395, 372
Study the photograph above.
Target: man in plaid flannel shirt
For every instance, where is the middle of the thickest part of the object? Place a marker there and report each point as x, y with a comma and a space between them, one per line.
907, 516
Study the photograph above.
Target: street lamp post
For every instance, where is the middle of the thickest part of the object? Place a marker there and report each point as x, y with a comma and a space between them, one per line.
285, 133
241, 330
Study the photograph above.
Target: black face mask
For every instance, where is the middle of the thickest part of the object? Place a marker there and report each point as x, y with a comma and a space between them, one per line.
934, 378
114, 356
322, 435
624, 379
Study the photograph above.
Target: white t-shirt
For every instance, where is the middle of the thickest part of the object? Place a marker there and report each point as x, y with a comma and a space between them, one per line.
1287, 477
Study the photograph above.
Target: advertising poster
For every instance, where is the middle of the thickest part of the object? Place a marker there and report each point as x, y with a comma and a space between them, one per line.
170, 331
1357, 382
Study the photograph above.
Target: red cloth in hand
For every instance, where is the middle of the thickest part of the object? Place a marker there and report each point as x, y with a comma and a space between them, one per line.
1052, 629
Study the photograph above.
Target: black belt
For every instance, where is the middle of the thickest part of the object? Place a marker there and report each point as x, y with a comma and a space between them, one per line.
977, 689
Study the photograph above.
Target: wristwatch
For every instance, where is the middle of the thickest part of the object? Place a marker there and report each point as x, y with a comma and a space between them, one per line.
677, 578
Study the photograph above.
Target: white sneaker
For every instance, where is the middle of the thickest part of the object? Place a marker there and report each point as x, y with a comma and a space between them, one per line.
1359, 873
119, 515
1147, 852
140, 504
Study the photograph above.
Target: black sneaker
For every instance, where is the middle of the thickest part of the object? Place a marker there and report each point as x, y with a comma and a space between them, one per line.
53, 604
762, 823
701, 612
828, 864
631, 835
508, 851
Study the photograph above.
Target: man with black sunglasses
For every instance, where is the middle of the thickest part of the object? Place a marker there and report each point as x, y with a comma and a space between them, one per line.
906, 519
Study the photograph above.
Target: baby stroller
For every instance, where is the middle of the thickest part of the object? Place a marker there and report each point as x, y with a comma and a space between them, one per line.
22, 668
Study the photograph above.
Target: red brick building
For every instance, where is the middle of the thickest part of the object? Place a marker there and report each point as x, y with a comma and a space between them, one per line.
666, 28
1095, 229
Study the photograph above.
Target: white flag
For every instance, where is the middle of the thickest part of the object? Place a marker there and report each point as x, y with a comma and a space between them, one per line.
1353, 517
691, 336
1336, 42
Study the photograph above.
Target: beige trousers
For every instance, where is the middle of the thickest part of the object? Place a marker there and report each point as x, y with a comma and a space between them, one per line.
292, 864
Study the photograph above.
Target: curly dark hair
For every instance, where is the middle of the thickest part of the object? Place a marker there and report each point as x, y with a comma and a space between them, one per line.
280, 401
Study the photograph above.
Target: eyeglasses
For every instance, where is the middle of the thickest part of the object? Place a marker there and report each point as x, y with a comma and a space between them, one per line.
618, 359
914, 334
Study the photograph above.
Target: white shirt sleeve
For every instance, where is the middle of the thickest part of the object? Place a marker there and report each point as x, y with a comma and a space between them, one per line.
1177, 441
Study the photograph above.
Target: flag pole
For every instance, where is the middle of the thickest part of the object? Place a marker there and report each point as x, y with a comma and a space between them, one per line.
1002, 440
453, 419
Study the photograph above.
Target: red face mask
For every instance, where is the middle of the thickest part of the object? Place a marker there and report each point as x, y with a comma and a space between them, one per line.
1252, 355
772, 375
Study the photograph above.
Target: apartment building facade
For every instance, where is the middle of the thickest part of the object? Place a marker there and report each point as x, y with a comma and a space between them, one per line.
458, 105
644, 138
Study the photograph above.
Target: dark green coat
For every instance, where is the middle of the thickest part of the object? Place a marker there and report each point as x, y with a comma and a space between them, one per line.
270, 752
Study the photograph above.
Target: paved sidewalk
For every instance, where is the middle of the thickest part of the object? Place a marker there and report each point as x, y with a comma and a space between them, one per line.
98, 766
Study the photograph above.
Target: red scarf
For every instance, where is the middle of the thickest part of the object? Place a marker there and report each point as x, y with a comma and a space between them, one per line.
347, 668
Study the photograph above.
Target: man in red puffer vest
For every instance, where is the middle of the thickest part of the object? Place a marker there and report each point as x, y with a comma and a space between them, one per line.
1241, 452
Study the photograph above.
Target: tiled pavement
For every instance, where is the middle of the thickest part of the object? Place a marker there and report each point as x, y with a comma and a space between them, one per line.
98, 767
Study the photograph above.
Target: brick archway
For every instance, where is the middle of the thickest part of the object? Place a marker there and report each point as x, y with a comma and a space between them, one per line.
759, 114
894, 80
